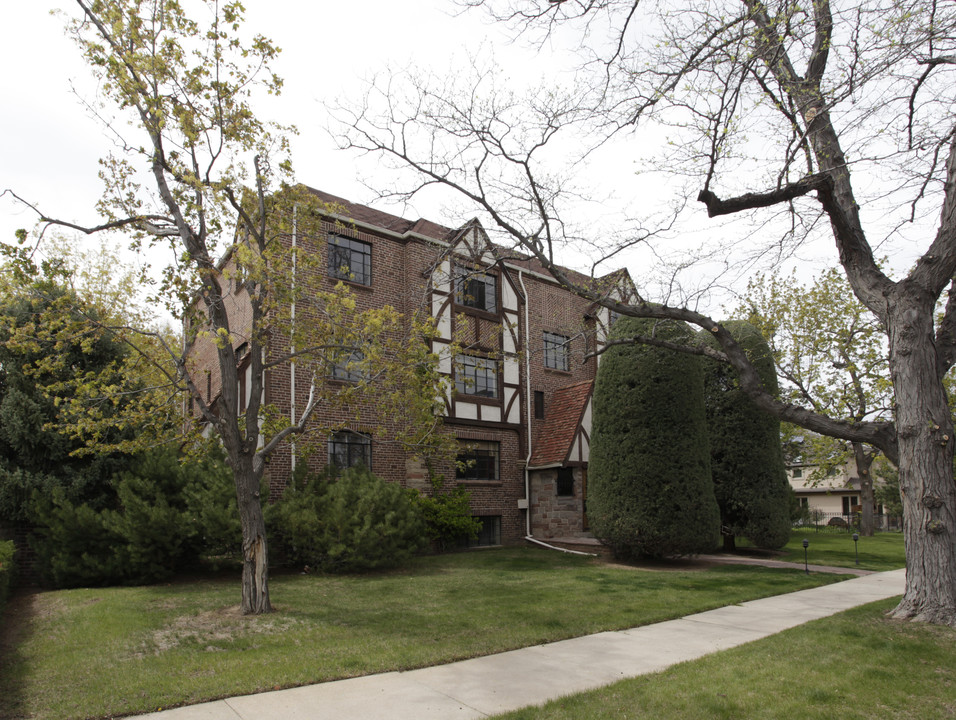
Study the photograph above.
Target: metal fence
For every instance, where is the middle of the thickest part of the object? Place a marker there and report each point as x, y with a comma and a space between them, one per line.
841, 522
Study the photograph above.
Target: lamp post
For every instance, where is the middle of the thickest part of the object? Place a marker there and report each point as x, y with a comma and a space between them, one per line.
806, 544
856, 548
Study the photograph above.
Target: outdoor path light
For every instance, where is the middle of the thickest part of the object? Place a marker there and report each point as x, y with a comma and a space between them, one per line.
856, 548
806, 544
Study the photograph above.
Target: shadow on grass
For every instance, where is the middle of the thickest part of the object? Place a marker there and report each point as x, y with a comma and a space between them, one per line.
16, 629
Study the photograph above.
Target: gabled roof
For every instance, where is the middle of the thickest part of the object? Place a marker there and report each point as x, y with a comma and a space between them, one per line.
556, 435
393, 223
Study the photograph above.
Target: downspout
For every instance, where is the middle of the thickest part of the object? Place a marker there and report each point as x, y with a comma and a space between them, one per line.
292, 337
527, 407
527, 473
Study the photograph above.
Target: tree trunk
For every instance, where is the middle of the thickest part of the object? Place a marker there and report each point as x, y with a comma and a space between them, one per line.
730, 543
255, 558
864, 460
925, 431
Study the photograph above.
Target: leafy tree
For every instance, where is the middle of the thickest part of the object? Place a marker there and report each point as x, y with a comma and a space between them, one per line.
746, 460
650, 490
202, 175
38, 375
853, 105
831, 353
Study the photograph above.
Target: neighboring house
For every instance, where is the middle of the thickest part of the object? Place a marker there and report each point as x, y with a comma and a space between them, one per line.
830, 497
520, 404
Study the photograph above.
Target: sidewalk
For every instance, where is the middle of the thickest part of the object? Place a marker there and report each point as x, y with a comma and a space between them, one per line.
499, 683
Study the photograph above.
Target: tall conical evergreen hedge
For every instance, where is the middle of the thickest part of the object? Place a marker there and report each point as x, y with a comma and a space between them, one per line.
649, 487
750, 480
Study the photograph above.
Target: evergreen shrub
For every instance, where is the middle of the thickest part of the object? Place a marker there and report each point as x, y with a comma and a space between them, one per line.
447, 516
6, 570
351, 522
167, 514
649, 487
750, 479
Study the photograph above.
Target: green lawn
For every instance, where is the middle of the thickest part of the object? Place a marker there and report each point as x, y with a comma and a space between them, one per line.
883, 551
853, 666
98, 652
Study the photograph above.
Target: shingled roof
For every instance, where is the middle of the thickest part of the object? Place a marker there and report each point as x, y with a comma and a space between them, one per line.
556, 435
427, 228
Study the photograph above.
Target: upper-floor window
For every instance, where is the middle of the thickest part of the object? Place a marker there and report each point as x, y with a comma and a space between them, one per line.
348, 367
797, 472
476, 289
349, 449
476, 376
556, 354
350, 260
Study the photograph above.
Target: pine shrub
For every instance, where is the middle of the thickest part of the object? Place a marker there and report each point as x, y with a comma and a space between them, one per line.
750, 480
650, 491
353, 522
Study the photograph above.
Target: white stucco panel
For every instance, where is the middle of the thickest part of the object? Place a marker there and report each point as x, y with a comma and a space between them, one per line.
514, 413
466, 411
491, 413
512, 370
509, 298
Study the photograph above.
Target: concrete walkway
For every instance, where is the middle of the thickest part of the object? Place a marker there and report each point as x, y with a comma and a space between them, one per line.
495, 684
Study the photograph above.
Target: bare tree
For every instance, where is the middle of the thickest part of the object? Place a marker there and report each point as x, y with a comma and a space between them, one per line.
775, 108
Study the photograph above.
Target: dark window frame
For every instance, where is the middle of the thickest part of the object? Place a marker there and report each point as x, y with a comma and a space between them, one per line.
479, 461
476, 376
564, 482
539, 404
356, 448
557, 351
476, 289
343, 373
350, 259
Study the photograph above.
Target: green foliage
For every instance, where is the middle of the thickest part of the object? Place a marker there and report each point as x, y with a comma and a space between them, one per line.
352, 522
6, 570
650, 491
46, 347
447, 516
159, 524
750, 480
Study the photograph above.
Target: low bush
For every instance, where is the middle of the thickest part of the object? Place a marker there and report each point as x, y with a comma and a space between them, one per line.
352, 522
447, 516
168, 513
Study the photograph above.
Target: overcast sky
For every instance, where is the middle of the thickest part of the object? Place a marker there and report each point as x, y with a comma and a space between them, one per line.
50, 144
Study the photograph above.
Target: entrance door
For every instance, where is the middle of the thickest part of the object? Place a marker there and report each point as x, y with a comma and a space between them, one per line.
584, 498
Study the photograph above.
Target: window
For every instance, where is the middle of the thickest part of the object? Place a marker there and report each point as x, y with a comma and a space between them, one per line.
477, 461
565, 484
613, 316
350, 260
490, 533
539, 404
556, 351
348, 368
476, 289
804, 502
848, 503
476, 376
348, 449
798, 472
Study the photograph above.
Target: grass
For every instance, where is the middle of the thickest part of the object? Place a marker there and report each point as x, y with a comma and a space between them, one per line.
111, 651
883, 551
854, 666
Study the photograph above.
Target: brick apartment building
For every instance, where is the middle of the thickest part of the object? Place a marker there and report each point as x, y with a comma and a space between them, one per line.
521, 404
